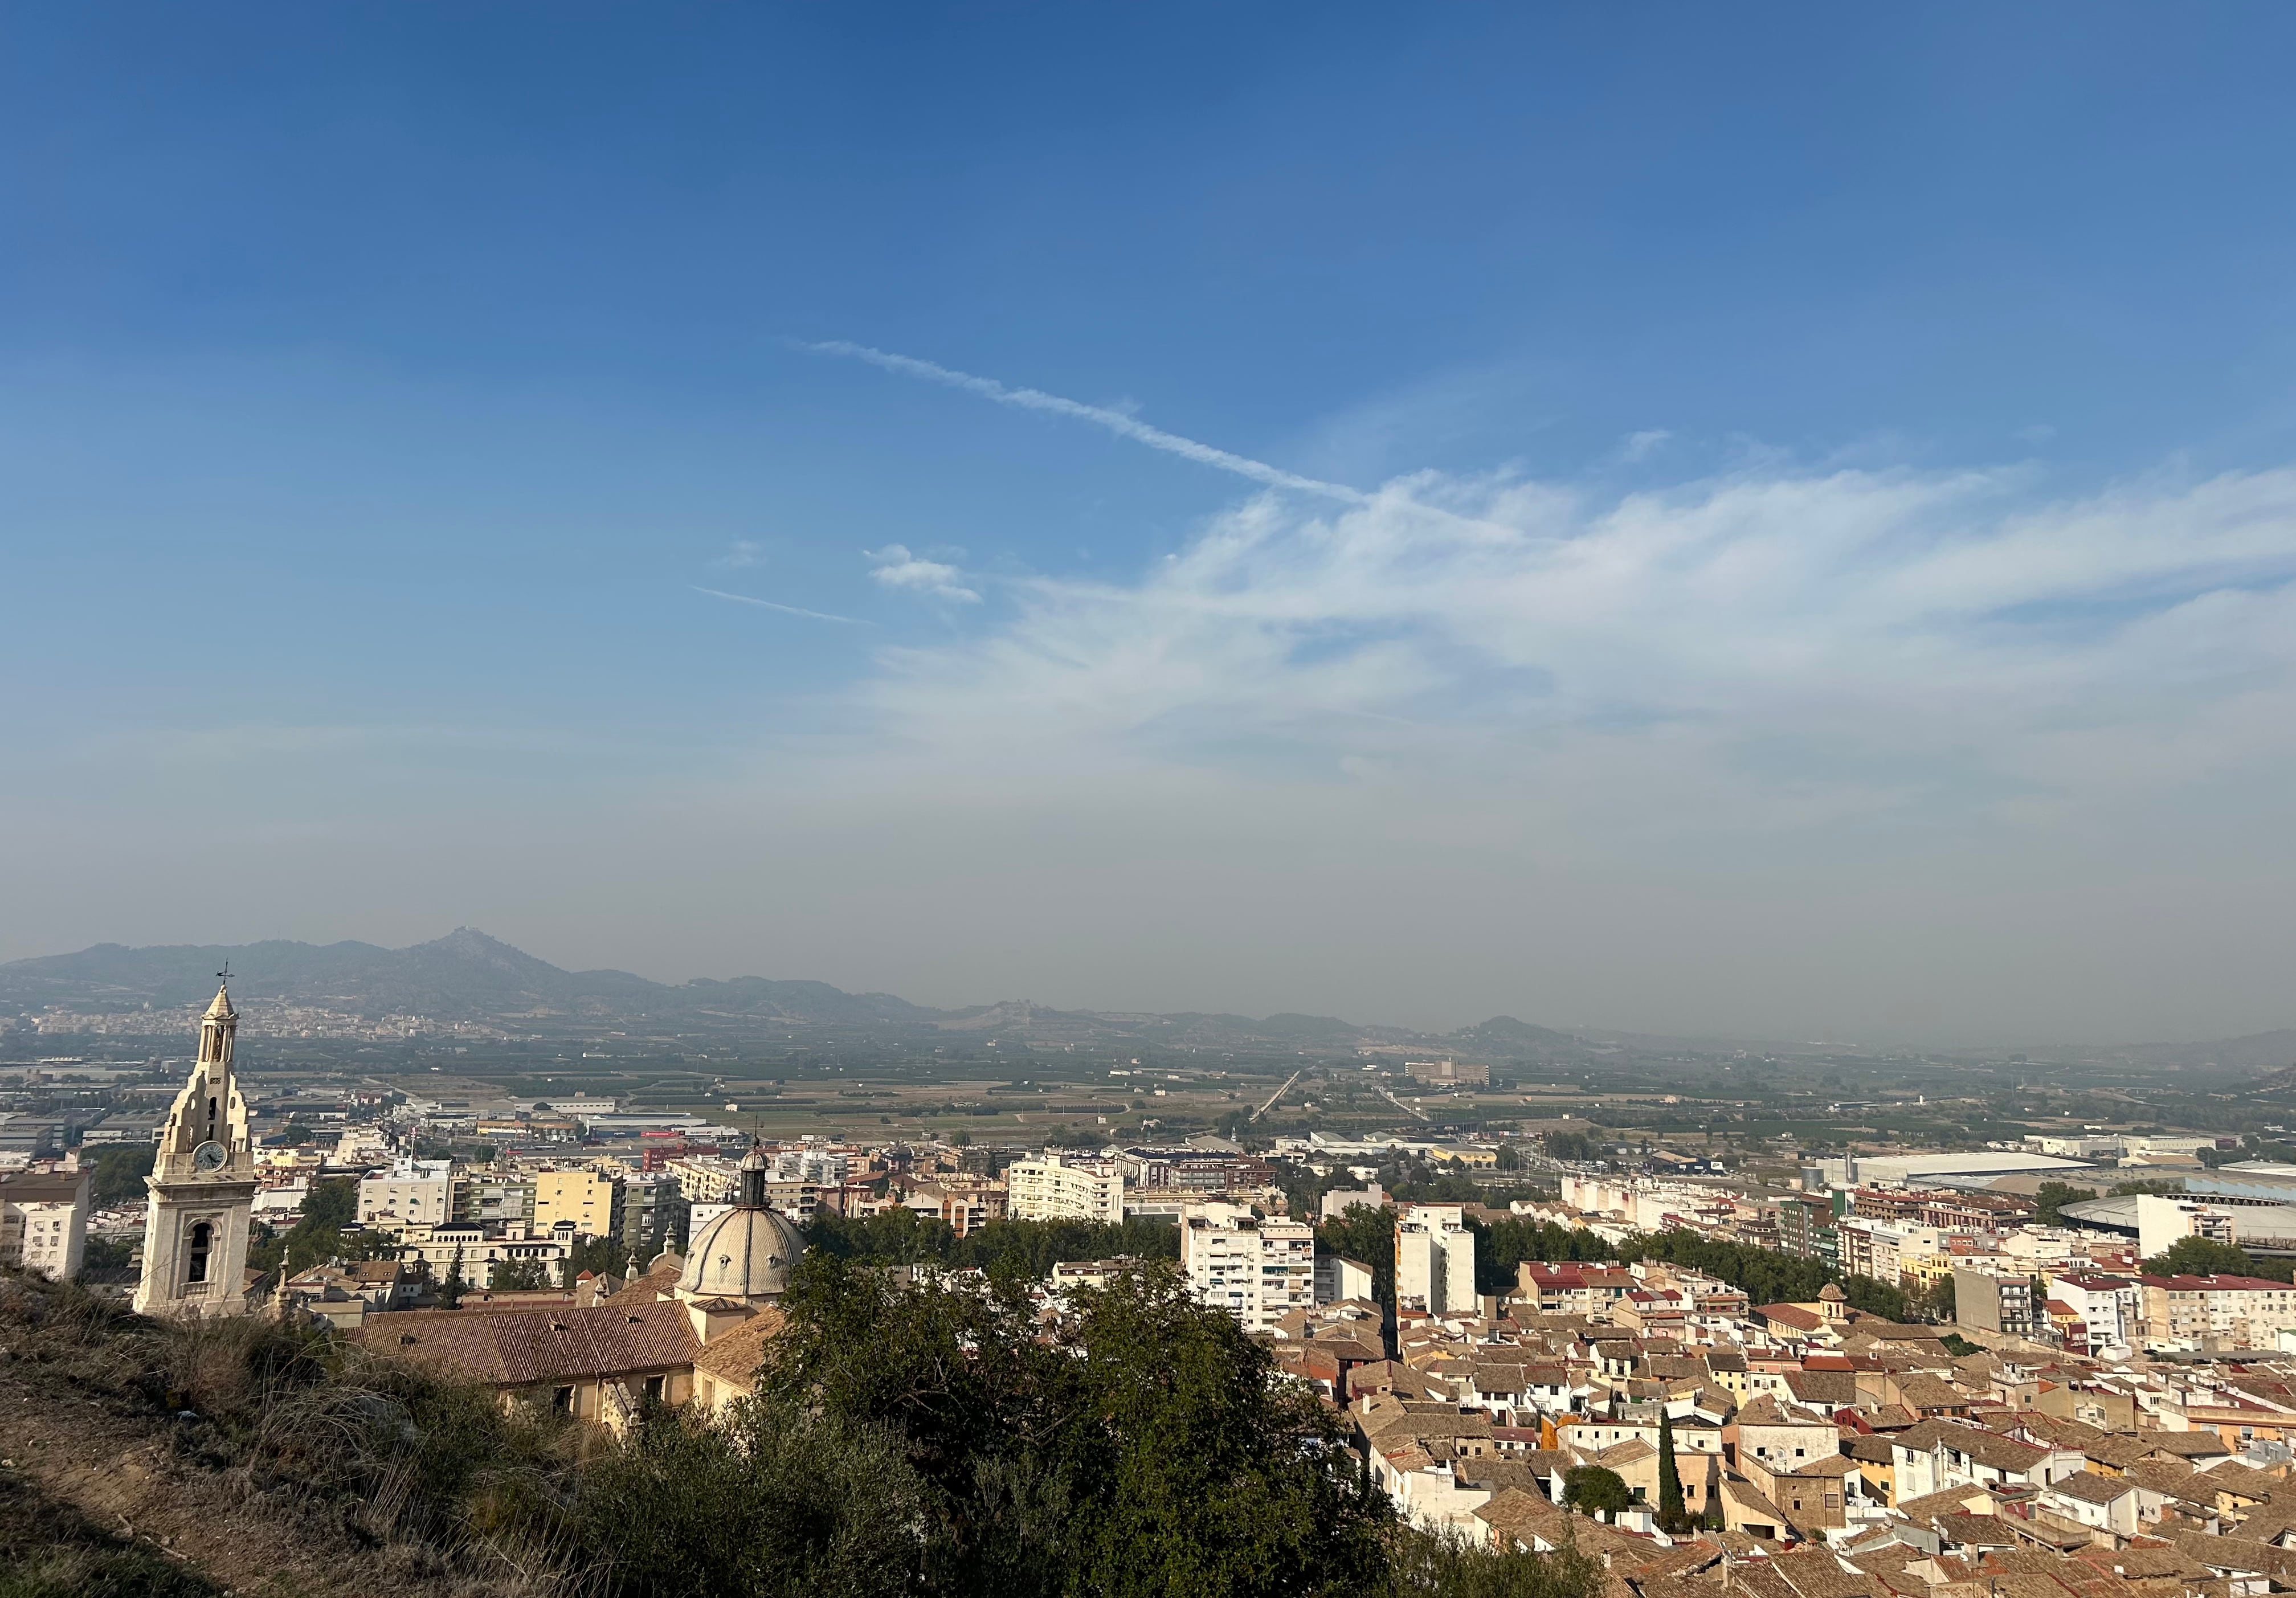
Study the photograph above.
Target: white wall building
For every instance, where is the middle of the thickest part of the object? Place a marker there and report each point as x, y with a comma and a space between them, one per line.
1434, 1259
44, 1221
412, 1192
2161, 1222
1053, 1187
2112, 1308
1340, 1200
1258, 1270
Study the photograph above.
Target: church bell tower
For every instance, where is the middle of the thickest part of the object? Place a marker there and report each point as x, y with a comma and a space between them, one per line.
202, 1186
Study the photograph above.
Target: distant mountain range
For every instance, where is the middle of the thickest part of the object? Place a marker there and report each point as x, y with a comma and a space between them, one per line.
467, 977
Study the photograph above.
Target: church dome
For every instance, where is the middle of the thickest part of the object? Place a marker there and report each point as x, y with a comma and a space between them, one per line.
748, 1252
743, 1254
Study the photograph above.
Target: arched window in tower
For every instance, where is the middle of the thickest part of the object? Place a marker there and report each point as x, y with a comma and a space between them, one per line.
203, 1237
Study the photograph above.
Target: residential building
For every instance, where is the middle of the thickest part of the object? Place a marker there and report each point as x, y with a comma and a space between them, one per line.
1055, 1187
1434, 1259
2162, 1221
706, 1178
1338, 1200
489, 1198
1994, 1300
2230, 1312
2109, 1310
1259, 1270
1337, 1279
653, 1216
44, 1220
590, 1198
412, 1192
967, 1203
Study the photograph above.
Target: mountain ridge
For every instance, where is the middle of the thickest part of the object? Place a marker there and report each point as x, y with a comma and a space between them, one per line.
470, 976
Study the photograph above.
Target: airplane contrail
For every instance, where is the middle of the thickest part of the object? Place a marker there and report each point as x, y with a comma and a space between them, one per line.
1115, 422
745, 599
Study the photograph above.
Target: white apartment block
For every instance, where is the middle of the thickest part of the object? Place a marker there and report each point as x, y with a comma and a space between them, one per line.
822, 1167
44, 1221
1054, 1188
1257, 1270
2112, 1307
707, 1178
412, 1192
1643, 1204
1875, 1248
1434, 1259
2161, 1223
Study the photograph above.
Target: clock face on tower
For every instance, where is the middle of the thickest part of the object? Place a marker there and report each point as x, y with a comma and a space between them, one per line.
210, 1157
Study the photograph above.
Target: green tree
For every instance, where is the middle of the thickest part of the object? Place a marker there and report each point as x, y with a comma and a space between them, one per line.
768, 1500
1145, 1448
2051, 1198
520, 1275
322, 1231
1593, 1489
1368, 1237
119, 1172
2205, 1257
599, 1256
1671, 1516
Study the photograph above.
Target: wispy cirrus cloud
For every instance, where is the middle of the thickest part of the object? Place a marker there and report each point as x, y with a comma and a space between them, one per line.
896, 566
1801, 644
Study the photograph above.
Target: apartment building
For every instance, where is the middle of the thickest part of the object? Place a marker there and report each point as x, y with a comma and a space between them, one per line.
1995, 1301
1257, 1270
412, 1192
489, 1199
706, 1178
1053, 1187
967, 1203
591, 1200
2108, 1310
44, 1220
2238, 1312
654, 1211
1434, 1259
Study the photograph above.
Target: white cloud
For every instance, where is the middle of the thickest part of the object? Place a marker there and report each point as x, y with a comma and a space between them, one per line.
895, 567
1642, 446
741, 552
1792, 648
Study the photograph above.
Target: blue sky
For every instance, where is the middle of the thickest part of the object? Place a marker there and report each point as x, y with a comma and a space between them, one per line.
1817, 560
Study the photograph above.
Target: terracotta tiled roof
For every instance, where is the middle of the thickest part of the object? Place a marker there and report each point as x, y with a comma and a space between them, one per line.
734, 1356
521, 1348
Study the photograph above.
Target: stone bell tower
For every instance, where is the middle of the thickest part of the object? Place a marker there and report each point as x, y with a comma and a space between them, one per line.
202, 1186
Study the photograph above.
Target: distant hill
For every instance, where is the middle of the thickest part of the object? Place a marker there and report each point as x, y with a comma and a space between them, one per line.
465, 976
1503, 1035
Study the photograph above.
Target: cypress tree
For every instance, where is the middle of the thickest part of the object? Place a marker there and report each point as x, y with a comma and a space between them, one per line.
1670, 1516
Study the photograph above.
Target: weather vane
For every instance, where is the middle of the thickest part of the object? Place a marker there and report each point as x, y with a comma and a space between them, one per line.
224, 974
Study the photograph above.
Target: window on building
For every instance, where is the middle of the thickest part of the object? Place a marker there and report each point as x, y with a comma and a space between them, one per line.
203, 1237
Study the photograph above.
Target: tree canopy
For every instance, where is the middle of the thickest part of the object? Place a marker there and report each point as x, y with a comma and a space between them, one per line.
927, 1440
2205, 1257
